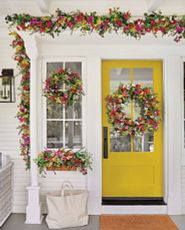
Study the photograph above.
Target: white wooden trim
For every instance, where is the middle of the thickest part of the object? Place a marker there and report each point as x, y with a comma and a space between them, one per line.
165, 132
94, 133
33, 209
182, 109
174, 142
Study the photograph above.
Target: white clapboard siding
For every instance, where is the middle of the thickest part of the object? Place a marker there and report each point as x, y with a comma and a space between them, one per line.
21, 180
53, 182
9, 139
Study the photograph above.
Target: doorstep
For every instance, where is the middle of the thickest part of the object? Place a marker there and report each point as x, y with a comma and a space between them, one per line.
131, 209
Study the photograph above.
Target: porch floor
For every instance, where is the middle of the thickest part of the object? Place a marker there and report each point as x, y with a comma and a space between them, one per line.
16, 221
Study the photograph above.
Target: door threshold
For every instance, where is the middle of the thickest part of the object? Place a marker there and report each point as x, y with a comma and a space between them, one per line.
133, 201
134, 210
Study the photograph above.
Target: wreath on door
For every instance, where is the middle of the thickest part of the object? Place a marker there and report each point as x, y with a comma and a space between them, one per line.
63, 87
144, 98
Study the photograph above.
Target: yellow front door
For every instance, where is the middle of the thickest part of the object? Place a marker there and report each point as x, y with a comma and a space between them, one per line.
132, 166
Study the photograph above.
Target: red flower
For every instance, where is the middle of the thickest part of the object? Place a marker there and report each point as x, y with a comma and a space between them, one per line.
127, 15
118, 23
52, 98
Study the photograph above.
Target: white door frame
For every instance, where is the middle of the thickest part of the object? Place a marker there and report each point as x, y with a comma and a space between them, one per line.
153, 208
172, 162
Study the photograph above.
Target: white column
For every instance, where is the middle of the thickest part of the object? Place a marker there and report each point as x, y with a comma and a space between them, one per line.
33, 209
174, 131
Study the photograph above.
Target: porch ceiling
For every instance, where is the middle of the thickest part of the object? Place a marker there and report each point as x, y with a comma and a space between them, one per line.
136, 7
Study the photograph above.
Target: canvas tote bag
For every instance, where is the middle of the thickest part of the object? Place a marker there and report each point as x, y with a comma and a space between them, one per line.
67, 208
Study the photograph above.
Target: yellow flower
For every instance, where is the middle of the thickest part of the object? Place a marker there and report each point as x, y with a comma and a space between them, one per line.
99, 21
13, 34
58, 100
45, 18
18, 48
24, 63
83, 23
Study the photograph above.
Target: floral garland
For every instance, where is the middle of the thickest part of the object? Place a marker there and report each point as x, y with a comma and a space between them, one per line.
142, 96
23, 63
54, 159
55, 92
114, 21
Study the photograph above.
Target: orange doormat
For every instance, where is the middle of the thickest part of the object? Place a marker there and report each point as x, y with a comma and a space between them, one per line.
136, 222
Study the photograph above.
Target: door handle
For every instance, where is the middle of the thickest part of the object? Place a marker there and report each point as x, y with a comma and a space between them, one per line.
105, 142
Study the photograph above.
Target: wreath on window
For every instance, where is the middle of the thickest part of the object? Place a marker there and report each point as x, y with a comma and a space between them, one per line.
63, 87
143, 98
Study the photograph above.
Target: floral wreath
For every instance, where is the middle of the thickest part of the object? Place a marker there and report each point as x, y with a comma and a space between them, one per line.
63, 87
142, 96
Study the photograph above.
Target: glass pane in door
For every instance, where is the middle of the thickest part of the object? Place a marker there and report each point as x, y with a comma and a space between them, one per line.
144, 143
120, 143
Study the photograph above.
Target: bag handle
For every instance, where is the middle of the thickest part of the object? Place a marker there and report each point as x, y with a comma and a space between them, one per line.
66, 185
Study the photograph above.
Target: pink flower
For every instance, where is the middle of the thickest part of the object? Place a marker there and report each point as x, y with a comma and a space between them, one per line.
49, 24
148, 30
150, 122
153, 22
157, 112
90, 19
179, 29
64, 99
70, 78
177, 38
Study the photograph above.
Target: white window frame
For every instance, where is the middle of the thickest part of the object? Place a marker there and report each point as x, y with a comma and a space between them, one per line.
44, 100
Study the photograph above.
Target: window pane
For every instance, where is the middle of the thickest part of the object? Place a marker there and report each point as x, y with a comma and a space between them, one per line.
120, 143
143, 76
74, 67
73, 131
53, 66
74, 111
54, 134
69, 112
54, 111
78, 109
144, 143
117, 76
